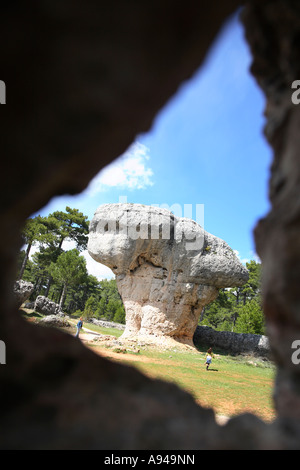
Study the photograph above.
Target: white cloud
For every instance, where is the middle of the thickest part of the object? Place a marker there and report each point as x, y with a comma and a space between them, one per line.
253, 256
100, 271
129, 171
242, 260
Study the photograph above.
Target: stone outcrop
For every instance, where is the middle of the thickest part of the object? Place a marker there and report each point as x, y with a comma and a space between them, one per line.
22, 291
167, 268
58, 321
46, 306
233, 343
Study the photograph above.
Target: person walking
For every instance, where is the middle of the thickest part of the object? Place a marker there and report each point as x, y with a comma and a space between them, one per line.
79, 326
209, 356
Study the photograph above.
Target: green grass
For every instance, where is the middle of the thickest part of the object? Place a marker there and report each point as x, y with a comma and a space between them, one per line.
234, 385
102, 330
31, 314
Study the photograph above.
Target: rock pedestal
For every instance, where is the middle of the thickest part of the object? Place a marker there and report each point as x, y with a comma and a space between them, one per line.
167, 268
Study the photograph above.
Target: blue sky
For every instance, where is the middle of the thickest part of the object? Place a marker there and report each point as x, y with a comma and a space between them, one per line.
206, 146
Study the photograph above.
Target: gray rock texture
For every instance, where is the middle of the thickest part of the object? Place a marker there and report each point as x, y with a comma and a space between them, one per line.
22, 291
236, 343
59, 321
167, 268
106, 324
46, 306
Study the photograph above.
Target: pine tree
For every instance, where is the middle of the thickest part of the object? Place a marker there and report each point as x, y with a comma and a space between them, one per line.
32, 233
251, 318
69, 270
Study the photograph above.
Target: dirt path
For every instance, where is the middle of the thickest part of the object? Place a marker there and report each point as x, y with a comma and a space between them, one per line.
125, 356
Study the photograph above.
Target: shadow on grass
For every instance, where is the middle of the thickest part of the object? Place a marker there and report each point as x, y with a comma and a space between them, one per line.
30, 313
221, 352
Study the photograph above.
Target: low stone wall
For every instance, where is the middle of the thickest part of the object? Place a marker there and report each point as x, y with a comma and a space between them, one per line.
234, 343
107, 324
58, 321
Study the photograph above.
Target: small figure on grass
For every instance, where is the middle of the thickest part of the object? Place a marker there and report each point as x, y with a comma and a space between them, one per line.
79, 326
209, 356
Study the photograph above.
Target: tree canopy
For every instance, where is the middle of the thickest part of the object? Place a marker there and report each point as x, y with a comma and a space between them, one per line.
63, 277
69, 270
238, 309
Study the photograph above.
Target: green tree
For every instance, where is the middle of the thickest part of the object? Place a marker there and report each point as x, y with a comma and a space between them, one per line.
91, 307
251, 318
110, 305
42, 260
111, 308
223, 314
219, 314
69, 225
32, 233
100, 313
89, 287
253, 287
119, 316
28, 273
69, 270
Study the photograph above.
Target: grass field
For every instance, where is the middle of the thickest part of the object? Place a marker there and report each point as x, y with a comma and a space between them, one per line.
234, 385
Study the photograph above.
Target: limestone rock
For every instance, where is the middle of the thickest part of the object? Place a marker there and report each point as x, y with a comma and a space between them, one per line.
58, 321
46, 306
236, 343
22, 291
106, 324
167, 268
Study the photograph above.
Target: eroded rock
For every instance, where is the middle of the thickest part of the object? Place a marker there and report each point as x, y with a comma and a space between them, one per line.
59, 321
46, 306
22, 291
236, 343
167, 268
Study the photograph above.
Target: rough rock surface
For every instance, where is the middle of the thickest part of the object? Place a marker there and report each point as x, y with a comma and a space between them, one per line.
22, 291
272, 30
46, 306
167, 268
107, 324
236, 343
59, 321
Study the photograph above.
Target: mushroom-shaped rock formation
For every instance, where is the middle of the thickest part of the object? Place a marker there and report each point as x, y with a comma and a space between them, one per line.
167, 268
